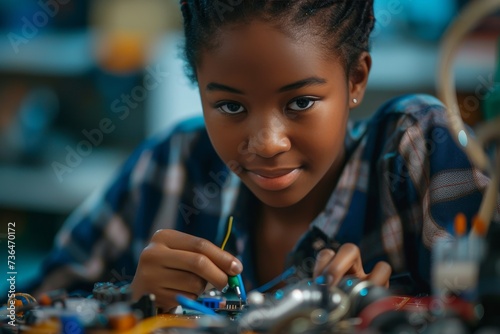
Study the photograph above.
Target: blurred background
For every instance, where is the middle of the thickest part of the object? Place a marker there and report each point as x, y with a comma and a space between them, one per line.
83, 82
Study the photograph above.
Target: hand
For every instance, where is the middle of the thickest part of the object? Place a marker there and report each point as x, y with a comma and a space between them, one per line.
347, 261
178, 263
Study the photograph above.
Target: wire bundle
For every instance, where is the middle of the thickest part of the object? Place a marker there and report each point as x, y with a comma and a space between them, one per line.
488, 134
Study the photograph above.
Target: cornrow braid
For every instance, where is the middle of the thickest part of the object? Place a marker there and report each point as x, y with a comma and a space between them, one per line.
342, 27
185, 11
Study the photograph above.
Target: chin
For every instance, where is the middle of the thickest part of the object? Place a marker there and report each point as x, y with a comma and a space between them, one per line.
278, 199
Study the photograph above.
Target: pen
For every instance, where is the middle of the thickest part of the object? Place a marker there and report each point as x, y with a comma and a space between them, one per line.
477, 238
460, 227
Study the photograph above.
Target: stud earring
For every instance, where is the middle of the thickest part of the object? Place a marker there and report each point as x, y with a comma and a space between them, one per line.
355, 100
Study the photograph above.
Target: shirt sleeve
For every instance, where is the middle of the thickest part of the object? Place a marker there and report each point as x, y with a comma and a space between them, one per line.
103, 238
430, 180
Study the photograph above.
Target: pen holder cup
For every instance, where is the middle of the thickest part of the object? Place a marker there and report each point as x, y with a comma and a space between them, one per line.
455, 267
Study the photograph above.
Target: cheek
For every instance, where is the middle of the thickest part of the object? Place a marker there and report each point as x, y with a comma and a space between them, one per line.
323, 151
227, 142
323, 144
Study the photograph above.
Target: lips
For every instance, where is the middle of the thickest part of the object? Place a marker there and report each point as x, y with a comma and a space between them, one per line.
274, 179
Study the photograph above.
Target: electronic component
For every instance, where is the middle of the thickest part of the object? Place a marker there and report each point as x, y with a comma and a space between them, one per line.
213, 303
324, 306
233, 305
307, 306
228, 302
236, 283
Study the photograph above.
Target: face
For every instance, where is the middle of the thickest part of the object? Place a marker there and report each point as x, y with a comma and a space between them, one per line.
276, 111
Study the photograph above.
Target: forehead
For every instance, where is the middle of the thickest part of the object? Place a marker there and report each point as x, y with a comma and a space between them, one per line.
258, 50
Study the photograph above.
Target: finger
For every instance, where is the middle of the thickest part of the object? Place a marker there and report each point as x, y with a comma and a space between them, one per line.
151, 281
165, 293
166, 298
199, 264
181, 260
183, 281
322, 260
346, 261
182, 241
381, 274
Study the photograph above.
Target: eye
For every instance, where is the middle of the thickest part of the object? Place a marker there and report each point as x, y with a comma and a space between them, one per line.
301, 103
230, 108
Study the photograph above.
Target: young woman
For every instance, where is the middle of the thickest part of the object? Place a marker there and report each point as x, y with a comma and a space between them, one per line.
275, 151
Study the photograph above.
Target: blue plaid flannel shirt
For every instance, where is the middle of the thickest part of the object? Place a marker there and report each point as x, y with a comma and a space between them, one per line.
404, 181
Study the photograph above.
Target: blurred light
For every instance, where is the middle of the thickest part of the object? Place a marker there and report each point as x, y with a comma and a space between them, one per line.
462, 138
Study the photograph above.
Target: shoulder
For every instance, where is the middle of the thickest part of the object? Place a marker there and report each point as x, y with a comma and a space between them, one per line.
410, 110
411, 103
186, 130
416, 116
186, 140
184, 136
397, 115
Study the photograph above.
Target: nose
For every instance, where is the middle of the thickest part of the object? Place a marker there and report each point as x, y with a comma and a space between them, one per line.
268, 138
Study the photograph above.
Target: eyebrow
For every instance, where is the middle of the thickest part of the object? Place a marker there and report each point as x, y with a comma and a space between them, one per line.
213, 86
311, 81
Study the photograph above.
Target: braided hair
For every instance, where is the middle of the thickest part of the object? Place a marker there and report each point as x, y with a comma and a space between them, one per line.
343, 26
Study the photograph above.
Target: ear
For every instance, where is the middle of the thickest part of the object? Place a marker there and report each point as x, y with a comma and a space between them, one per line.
358, 78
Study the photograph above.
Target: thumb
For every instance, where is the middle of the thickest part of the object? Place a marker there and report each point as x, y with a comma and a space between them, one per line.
322, 259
